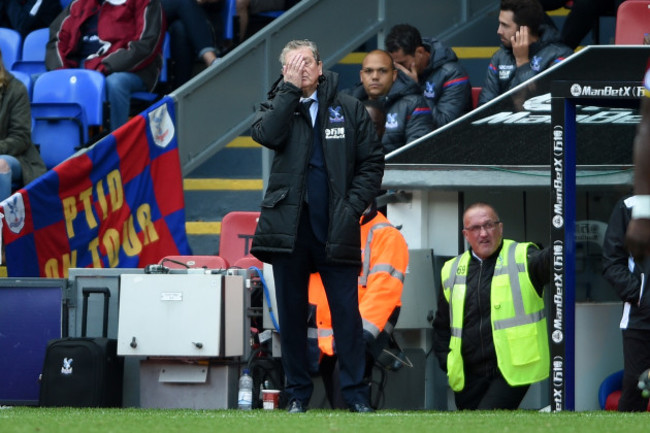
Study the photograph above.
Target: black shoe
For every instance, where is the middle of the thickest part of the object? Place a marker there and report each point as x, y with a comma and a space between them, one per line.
296, 407
361, 408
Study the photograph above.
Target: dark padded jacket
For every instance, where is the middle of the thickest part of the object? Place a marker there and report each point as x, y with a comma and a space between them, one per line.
616, 269
478, 351
353, 157
445, 84
503, 73
408, 116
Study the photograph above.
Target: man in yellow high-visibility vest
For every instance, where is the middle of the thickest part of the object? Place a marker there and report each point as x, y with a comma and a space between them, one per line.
490, 328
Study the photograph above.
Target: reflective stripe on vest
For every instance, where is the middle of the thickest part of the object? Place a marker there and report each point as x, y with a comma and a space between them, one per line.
325, 332
370, 327
312, 333
367, 326
451, 283
521, 318
454, 289
388, 268
388, 328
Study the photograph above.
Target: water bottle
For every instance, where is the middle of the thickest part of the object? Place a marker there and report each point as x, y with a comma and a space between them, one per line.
245, 396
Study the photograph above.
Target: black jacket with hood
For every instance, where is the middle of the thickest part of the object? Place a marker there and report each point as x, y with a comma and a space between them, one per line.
354, 161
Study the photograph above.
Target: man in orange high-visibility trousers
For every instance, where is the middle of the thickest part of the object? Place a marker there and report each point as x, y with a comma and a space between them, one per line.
385, 259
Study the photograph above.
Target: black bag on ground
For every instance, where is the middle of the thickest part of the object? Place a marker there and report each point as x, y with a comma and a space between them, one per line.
83, 371
267, 373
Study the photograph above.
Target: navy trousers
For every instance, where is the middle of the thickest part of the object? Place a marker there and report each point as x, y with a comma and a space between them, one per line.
291, 274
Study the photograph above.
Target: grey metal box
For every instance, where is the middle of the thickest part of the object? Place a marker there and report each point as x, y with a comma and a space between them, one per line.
234, 317
419, 294
168, 384
176, 315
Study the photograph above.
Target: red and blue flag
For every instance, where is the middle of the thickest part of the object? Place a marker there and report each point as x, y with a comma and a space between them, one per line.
118, 205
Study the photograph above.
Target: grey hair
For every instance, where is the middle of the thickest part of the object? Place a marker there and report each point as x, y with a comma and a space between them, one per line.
296, 44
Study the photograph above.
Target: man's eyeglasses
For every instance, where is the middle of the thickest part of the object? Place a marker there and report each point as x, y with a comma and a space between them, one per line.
488, 227
380, 71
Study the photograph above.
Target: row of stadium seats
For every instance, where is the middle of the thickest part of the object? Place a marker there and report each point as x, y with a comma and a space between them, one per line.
67, 104
28, 55
76, 110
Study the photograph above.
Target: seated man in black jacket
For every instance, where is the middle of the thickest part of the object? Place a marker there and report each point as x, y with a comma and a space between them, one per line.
528, 46
408, 116
435, 68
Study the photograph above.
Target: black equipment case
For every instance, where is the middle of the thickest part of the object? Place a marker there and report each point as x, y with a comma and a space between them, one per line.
83, 371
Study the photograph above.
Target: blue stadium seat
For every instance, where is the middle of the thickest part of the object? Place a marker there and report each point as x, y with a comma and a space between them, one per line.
26, 79
58, 130
11, 44
83, 86
611, 383
33, 53
229, 13
65, 103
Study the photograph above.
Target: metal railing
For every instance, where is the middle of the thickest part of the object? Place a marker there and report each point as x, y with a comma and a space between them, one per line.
218, 104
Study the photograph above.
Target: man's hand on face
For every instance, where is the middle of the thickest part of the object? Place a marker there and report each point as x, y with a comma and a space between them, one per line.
411, 72
293, 69
520, 43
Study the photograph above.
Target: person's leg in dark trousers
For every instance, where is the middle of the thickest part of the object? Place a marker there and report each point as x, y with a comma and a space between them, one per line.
636, 359
470, 396
195, 21
341, 287
181, 53
582, 17
500, 395
329, 371
489, 392
291, 276
190, 33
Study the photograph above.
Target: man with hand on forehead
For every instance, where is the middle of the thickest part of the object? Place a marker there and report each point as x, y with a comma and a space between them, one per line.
443, 81
490, 330
327, 168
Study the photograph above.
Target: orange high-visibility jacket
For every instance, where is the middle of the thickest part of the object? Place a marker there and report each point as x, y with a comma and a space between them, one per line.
385, 259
